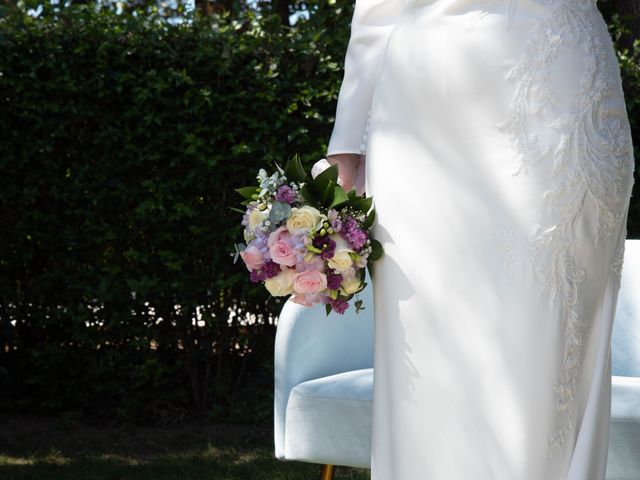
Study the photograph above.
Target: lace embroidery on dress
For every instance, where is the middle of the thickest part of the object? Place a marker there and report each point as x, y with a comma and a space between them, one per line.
485, 7
593, 159
618, 259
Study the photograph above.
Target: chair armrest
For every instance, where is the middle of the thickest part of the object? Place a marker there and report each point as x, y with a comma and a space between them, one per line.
625, 341
309, 344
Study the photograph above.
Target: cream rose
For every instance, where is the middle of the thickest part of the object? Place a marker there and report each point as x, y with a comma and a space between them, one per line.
256, 217
303, 220
341, 259
281, 284
350, 282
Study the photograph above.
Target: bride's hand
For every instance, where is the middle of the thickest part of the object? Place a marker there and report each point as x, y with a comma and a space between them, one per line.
350, 170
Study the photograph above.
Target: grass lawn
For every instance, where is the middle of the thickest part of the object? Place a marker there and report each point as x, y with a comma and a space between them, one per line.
37, 448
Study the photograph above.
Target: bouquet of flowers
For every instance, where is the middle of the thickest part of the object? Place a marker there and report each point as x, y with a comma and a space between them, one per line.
307, 237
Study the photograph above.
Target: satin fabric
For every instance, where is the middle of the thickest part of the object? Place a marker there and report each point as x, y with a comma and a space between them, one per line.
499, 155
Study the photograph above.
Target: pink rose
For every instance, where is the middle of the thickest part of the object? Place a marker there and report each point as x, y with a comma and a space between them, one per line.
281, 246
315, 263
252, 257
307, 299
310, 281
276, 235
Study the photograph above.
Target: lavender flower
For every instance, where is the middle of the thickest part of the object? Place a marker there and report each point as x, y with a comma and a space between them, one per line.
334, 221
351, 231
286, 194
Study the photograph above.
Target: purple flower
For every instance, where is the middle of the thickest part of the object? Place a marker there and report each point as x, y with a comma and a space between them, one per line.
326, 244
357, 237
271, 269
285, 194
338, 305
334, 280
267, 270
352, 232
254, 276
334, 221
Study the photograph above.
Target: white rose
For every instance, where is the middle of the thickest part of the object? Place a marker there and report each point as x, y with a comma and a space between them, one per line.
350, 282
341, 259
303, 220
350, 285
281, 284
256, 217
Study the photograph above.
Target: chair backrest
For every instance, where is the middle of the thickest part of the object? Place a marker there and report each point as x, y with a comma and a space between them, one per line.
309, 344
625, 340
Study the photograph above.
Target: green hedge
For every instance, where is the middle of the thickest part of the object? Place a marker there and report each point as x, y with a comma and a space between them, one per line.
121, 140
628, 49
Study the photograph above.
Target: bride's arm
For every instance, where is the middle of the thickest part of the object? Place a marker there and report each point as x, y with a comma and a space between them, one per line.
371, 24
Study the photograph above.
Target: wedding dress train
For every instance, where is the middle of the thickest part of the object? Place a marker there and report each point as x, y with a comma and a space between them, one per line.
499, 155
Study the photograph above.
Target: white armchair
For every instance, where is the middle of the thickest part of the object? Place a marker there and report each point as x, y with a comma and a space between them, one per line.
624, 435
323, 368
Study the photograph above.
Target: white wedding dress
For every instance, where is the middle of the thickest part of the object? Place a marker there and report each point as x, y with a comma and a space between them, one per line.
499, 155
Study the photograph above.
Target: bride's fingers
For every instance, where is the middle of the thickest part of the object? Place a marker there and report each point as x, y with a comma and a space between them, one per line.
359, 180
346, 184
347, 168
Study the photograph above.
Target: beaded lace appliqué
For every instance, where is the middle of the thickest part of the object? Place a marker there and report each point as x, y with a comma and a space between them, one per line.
592, 159
484, 8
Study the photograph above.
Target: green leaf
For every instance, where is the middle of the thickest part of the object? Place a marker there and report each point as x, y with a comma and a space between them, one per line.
280, 169
327, 308
324, 178
309, 195
247, 192
294, 171
327, 194
339, 197
376, 250
369, 221
237, 210
362, 203
362, 276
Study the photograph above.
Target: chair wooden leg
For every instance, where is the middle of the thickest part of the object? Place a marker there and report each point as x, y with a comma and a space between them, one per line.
327, 472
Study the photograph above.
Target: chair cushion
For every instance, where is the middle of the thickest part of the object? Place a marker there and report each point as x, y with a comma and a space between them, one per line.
624, 437
328, 420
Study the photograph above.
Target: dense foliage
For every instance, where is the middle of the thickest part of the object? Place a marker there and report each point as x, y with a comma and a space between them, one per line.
121, 141
628, 49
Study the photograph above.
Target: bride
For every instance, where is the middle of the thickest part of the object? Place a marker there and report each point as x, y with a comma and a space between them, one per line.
494, 138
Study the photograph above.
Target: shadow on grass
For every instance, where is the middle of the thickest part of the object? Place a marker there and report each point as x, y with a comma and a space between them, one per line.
45, 450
